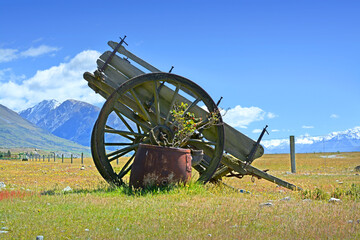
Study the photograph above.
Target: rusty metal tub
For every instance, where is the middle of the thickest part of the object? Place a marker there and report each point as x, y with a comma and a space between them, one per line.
160, 166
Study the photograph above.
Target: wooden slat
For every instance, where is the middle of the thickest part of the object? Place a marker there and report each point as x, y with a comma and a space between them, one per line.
136, 59
104, 89
115, 76
122, 65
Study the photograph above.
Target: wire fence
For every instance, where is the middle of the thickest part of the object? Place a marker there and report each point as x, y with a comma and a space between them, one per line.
63, 158
46, 158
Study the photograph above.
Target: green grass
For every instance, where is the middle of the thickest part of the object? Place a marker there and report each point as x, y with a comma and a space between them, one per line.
94, 210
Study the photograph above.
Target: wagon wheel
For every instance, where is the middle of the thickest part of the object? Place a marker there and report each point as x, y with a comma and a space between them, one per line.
142, 105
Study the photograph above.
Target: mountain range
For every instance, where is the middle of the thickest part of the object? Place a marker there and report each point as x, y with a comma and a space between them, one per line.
342, 141
16, 132
72, 119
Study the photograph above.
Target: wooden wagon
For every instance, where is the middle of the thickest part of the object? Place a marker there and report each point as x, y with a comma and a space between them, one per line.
139, 99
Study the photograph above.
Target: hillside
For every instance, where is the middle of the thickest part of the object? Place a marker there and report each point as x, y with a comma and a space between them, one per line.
17, 132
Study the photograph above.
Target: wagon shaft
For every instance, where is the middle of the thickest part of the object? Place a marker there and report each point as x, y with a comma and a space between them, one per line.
143, 96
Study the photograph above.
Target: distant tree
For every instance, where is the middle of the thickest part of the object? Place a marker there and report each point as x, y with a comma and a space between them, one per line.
8, 153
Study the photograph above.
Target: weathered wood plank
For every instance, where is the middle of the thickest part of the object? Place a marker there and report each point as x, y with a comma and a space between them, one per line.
133, 57
122, 65
116, 76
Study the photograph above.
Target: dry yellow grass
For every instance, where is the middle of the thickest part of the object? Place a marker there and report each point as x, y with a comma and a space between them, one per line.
192, 212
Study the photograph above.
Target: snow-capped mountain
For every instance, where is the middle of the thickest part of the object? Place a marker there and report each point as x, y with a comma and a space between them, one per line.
71, 119
37, 112
17, 132
342, 141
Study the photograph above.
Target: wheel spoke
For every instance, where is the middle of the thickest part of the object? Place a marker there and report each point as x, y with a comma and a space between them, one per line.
111, 130
156, 102
119, 155
140, 105
138, 128
122, 151
124, 133
125, 172
125, 168
131, 115
172, 103
124, 121
117, 144
201, 142
192, 105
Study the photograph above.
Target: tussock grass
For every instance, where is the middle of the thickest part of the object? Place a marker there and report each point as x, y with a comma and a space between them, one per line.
95, 210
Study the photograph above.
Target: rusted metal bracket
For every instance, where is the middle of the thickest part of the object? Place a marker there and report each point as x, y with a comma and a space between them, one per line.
102, 69
218, 102
250, 158
151, 102
237, 175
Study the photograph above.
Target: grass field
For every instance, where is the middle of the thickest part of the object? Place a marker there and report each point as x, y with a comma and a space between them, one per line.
33, 203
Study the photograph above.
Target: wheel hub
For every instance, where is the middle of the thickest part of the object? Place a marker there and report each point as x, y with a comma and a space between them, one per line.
161, 135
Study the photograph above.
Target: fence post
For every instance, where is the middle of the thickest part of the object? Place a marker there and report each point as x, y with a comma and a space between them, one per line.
292, 154
48, 158
82, 158
62, 158
54, 157
43, 158
71, 158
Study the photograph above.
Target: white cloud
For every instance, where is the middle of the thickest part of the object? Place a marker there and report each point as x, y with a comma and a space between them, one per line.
275, 130
7, 75
275, 143
271, 115
334, 116
243, 116
8, 54
304, 140
41, 50
37, 40
307, 127
256, 131
61, 82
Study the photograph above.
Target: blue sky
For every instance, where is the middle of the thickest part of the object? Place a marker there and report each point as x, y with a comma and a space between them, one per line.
293, 65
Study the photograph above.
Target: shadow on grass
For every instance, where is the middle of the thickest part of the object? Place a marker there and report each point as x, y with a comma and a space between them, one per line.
129, 191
